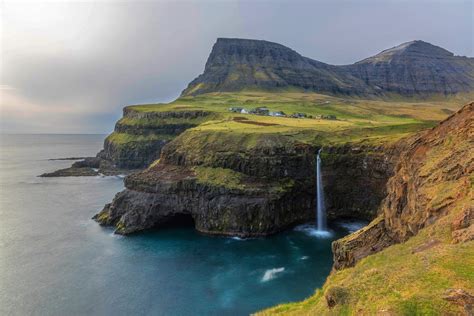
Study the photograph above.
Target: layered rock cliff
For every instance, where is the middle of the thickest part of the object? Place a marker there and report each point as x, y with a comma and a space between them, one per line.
413, 68
257, 189
139, 136
433, 177
247, 185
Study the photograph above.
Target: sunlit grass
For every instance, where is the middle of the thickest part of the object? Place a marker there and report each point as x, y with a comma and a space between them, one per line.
397, 280
372, 121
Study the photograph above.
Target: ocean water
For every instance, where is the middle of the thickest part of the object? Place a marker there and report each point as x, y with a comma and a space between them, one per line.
54, 260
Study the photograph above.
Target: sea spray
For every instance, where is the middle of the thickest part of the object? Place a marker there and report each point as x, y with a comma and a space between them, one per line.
320, 207
271, 274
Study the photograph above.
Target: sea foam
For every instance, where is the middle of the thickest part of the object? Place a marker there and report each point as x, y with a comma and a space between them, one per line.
271, 274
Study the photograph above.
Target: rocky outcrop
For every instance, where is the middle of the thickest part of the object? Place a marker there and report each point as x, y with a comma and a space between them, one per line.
251, 185
89, 166
248, 191
433, 178
166, 193
413, 68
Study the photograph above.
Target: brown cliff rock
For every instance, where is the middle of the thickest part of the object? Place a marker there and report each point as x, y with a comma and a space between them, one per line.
432, 178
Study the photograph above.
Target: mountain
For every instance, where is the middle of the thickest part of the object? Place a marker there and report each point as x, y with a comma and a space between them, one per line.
413, 68
416, 67
235, 64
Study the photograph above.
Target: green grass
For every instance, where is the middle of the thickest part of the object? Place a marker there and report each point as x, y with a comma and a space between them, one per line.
230, 179
375, 121
219, 177
397, 281
124, 138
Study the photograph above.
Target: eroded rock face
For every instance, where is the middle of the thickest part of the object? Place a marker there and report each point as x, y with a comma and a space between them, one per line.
355, 179
432, 179
463, 225
276, 189
159, 194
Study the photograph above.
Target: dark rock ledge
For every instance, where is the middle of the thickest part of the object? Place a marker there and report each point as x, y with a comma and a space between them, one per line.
89, 166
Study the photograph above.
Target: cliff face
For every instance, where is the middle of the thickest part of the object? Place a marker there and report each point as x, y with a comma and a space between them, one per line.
355, 179
433, 177
413, 68
255, 191
245, 186
139, 136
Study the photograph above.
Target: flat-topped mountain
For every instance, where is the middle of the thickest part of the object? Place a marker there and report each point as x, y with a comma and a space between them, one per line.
413, 68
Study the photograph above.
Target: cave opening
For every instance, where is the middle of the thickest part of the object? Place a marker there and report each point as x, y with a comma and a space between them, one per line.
176, 221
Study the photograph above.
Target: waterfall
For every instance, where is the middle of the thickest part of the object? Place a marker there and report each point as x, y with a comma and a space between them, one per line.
320, 208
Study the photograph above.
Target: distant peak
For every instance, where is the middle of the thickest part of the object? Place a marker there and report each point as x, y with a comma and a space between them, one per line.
249, 51
246, 42
412, 48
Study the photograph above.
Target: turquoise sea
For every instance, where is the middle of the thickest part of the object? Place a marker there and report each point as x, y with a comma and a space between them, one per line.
54, 260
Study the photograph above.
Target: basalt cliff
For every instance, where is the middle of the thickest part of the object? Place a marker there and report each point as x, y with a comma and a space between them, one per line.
251, 190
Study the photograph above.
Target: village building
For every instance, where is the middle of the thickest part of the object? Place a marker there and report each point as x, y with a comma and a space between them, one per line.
235, 109
298, 115
262, 111
277, 113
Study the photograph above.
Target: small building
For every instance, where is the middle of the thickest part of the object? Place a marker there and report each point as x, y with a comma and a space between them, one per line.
298, 115
244, 111
328, 117
235, 109
262, 111
277, 113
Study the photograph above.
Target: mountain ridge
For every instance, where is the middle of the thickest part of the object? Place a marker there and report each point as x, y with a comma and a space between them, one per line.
411, 68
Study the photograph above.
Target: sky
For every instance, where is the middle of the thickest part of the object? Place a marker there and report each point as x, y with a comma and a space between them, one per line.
71, 66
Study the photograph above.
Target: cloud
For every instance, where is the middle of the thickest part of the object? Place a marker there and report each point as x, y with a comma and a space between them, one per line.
71, 66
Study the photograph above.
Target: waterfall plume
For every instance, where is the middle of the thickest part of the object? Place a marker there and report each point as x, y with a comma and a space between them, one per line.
320, 207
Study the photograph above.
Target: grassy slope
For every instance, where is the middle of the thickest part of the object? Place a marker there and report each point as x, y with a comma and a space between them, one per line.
397, 281
362, 121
